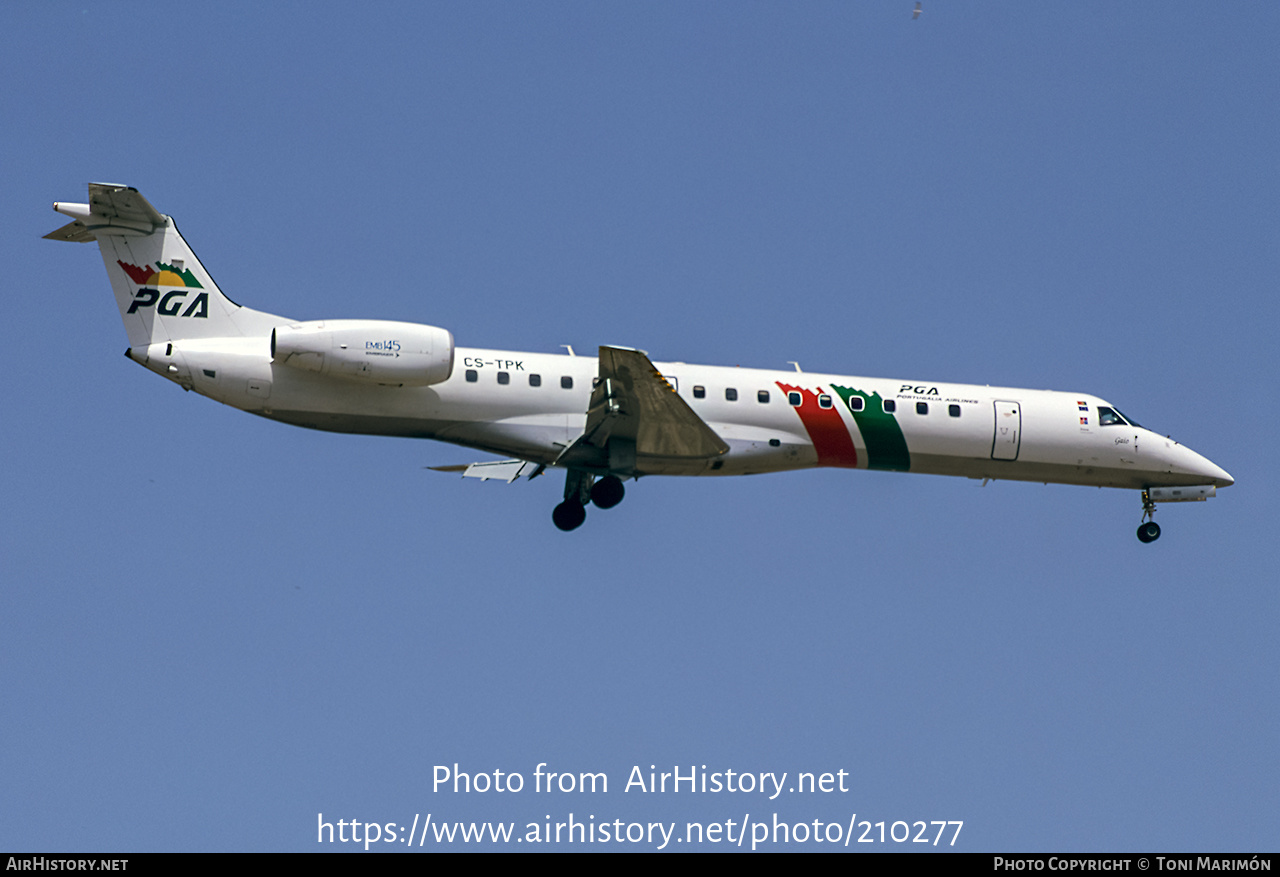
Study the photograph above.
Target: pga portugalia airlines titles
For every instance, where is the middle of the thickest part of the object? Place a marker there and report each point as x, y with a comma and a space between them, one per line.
600, 420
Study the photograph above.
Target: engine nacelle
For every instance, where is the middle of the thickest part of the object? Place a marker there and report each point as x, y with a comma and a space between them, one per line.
374, 351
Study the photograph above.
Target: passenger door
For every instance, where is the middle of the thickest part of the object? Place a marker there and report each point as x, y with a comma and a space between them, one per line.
1008, 431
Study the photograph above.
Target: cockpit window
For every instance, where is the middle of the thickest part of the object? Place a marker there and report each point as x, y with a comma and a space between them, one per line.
1112, 417
1129, 420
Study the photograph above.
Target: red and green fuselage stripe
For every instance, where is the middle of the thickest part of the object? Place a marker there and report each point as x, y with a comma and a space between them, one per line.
886, 447
826, 429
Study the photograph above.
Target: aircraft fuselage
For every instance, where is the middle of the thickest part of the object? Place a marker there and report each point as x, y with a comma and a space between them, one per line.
533, 405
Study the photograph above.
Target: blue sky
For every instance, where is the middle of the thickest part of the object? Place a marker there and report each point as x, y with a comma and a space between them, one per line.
219, 627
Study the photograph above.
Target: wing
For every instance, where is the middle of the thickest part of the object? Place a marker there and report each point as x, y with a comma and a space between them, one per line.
635, 419
633, 403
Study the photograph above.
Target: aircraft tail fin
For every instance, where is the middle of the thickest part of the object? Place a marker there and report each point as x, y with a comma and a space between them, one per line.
163, 292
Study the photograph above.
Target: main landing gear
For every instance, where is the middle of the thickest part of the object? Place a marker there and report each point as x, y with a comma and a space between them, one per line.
608, 492
569, 515
579, 489
1148, 530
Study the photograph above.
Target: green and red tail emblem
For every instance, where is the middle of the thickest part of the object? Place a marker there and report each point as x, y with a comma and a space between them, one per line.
161, 275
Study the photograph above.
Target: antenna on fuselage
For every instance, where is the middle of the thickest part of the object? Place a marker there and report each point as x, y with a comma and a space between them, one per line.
569, 348
793, 362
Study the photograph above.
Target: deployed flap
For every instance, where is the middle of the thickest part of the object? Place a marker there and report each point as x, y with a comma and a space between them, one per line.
634, 403
501, 470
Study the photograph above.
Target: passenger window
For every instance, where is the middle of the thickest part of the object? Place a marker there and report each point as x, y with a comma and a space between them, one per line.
699, 392
730, 394
922, 408
472, 377
794, 399
890, 406
535, 380
824, 401
566, 382
953, 410
504, 377
763, 397
855, 403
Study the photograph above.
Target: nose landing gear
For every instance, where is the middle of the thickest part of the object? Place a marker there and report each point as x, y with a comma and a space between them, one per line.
1148, 530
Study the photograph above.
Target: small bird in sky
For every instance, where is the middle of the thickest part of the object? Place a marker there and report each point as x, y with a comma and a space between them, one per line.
916, 13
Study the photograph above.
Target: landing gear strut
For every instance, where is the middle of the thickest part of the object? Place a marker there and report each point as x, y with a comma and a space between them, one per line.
570, 514
1148, 530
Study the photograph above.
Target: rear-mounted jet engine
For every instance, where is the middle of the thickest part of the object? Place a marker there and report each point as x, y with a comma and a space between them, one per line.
377, 351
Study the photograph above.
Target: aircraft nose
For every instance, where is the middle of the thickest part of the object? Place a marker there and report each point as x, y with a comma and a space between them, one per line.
1203, 467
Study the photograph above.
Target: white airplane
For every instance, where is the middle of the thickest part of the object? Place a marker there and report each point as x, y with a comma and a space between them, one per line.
607, 419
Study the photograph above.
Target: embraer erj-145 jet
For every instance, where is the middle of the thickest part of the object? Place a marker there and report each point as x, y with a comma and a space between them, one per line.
601, 420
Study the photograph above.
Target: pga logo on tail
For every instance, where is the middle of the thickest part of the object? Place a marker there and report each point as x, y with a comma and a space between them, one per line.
171, 303
168, 275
